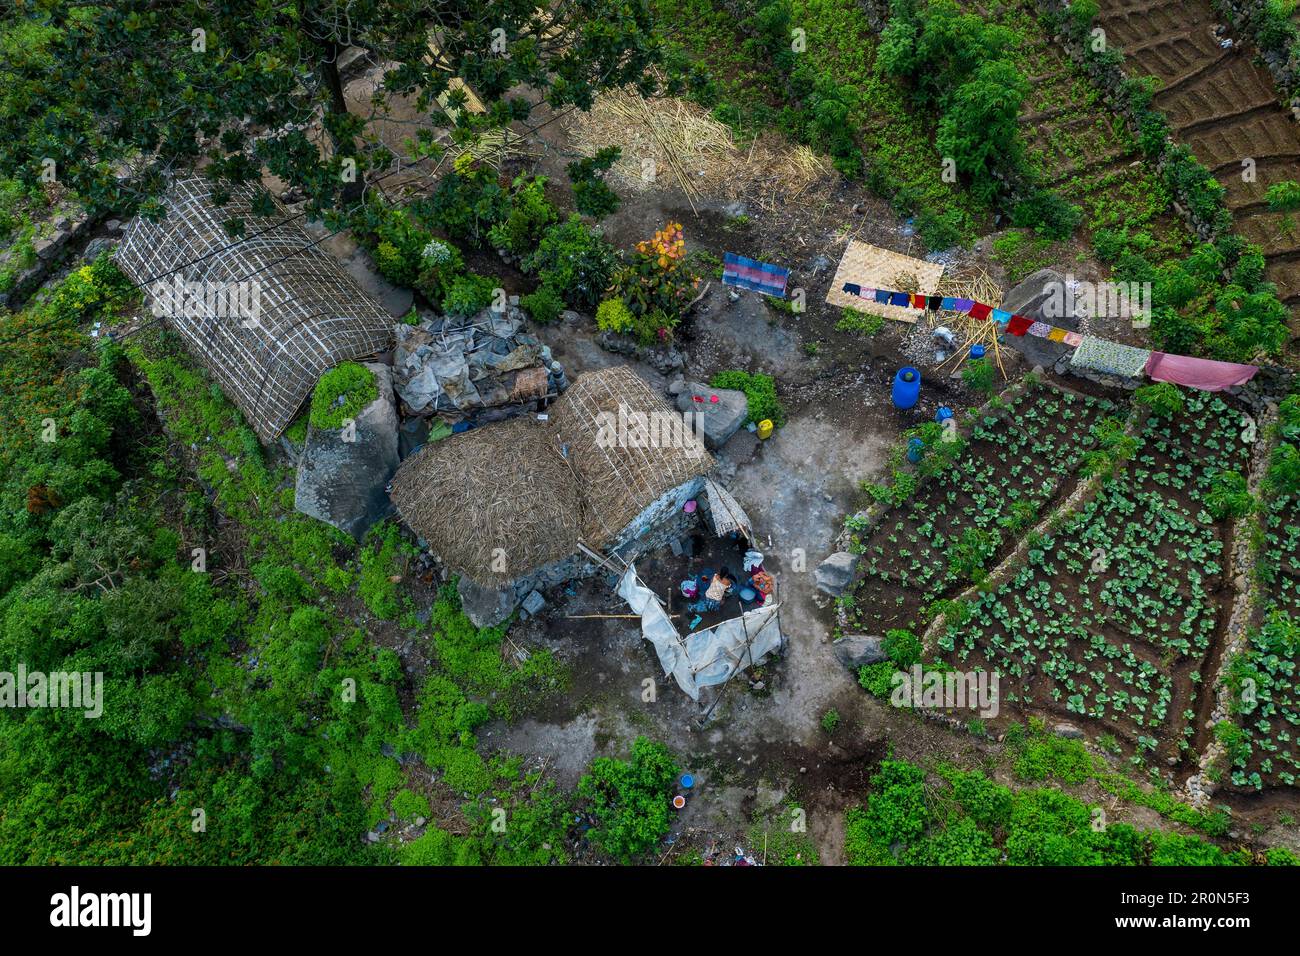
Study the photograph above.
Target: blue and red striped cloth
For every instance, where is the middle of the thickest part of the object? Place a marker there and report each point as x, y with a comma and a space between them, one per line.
754, 275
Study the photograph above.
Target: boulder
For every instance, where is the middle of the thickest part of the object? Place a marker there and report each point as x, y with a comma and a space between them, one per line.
720, 419
1068, 731
1030, 299
343, 474
836, 573
485, 606
859, 650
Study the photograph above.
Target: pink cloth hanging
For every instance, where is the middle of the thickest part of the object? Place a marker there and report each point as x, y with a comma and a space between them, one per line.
1205, 374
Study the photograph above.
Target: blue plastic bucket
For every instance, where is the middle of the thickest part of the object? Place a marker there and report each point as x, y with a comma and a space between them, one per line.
688, 781
915, 449
943, 414
977, 351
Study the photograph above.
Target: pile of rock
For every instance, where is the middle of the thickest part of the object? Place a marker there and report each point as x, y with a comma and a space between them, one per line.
480, 369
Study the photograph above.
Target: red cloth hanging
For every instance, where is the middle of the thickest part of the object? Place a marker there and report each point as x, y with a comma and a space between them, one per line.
1019, 325
980, 311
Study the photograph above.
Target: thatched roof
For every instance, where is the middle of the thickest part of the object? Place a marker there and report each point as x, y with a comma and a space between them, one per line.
500, 492
536, 489
620, 481
313, 315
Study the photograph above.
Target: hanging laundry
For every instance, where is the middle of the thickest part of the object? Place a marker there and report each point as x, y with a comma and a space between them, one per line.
948, 303
1110, 358
962, 305
934, 301
901, 299
1057, 335
852, 288
761, 277
918, 301
1041, 330
1205, 374
979, 310
1019, 325
1073, 339
882, 296
1001, 317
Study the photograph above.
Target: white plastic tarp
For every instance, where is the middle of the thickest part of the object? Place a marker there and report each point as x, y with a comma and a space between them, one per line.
708, 657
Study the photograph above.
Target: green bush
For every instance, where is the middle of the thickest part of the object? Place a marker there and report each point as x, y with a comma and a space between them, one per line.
592, 196
978, 376
760, 394
613, 315
468, 203
468, 294
530, 214
544, 305
629, 799
1163, 399
341, 393
575, 261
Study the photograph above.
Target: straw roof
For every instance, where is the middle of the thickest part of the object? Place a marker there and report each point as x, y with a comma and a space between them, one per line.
620, 481
312, 314
494, 502
535, 489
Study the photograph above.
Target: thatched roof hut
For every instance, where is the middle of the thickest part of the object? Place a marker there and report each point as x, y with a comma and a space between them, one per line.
536, 489
619, 479
495, 501
310, 315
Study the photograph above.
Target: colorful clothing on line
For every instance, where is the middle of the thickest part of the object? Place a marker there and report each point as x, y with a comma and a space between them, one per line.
979, 310
1110, 358
1040, 330
934, 301
1206, 374
1019, 325
962, 305
852, 288
1073, 339
918, 301
900, 299
948, 303
1056, 335
761, 277
1001, 317
882, 296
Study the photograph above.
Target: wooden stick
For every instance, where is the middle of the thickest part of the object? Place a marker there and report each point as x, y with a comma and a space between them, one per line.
607, 617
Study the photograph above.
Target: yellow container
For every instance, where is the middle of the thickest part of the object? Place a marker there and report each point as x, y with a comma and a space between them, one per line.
765, 428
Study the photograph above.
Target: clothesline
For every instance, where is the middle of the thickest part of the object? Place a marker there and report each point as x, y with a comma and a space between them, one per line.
1090, 352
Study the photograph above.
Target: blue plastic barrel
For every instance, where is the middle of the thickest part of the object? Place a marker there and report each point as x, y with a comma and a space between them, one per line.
943, 414
907, 387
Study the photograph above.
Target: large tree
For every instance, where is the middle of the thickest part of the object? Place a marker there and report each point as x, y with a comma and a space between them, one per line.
112, 95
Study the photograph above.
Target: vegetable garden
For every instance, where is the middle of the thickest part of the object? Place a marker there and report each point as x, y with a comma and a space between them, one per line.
1115, 616
1016, 464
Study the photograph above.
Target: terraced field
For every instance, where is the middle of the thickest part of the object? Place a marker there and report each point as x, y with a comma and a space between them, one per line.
1082, 150
1265, 679
1115, 617
1225, 108
1011, 473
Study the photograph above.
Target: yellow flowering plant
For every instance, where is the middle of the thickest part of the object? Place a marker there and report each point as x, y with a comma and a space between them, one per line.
655, 280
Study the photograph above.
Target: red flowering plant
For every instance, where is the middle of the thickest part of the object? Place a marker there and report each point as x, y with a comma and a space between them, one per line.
656, 283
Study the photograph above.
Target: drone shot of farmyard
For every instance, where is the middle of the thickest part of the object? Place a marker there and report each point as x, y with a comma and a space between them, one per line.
442, 439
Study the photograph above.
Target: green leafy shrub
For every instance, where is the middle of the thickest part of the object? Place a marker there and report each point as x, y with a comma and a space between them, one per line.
342, 393
574, 260
468, 294
1163, 399
592, 196
629, 799
978, 376
530, 214
760, 394
468, 203
613, 315
544, 305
